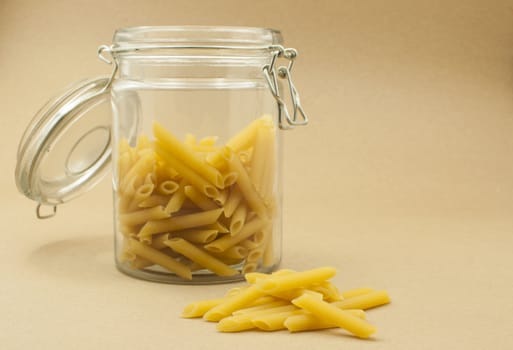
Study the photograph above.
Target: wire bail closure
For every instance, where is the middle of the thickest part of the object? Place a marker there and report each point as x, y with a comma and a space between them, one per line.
285, 120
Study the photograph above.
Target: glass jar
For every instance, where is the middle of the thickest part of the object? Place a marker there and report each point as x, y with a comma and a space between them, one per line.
195, 144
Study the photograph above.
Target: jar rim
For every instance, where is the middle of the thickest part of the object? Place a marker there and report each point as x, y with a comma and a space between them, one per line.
198, 36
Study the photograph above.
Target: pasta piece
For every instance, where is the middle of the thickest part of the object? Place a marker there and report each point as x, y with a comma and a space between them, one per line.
229, 179
160, 258
334, 315
236, 252
225, 242
364, 301
244, 184
259, 159
221, 198
216, 226
199, 308
265, 306
177, 199
244, 321
232, 202
356, 292
276, 284
242, 140
137, 172
168, 187
154, 200
158, 241
200, 236
199, 199
238, 301
180, 222
208, 141
272, 321
307, 321
187, 173
238, 219
254, 255
143, 216
175, 147
249, 267
141, 193
140, 263
124, 164
199, 256
328, 290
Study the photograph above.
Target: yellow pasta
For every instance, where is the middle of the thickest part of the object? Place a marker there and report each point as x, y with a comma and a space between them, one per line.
244, 321
232, 202
364, 301
331, 314
200, 257
180, 222
199, 308
356, 292
225, 242
238, 219
160, 258
141, 193
199, 236
154, 200
244, 184
235, 252
187, 173
173, 145
308, 322
171, 190
296, 309
301, 279
199, 199
241, 300
168, 187
142, 216
177, 199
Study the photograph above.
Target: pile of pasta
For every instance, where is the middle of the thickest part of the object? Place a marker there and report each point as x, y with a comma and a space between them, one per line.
189, 205
297, 301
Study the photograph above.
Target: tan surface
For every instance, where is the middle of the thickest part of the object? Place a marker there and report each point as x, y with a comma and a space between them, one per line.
403, 180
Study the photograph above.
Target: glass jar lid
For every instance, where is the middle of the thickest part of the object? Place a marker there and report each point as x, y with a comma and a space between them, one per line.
66, 148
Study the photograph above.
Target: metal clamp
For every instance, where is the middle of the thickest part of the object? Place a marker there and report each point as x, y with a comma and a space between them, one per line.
285, 120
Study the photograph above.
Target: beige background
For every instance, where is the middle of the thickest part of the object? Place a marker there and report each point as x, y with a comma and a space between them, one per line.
403, 180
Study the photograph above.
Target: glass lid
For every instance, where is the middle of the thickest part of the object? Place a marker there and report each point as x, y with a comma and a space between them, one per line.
66, 148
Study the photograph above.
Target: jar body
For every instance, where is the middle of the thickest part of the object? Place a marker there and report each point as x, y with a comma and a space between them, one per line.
197, 154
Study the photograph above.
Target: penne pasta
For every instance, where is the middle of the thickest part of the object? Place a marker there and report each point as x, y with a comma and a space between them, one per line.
331, 314
172, 145
180, 222
143, 216
200, 257
227, 241
199, 199
276, 284
159, 258
199, 236
168, 187
244, 184
187, 173
238, 219
232, 202
199, 308
364, 301
177, 199
307, 321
